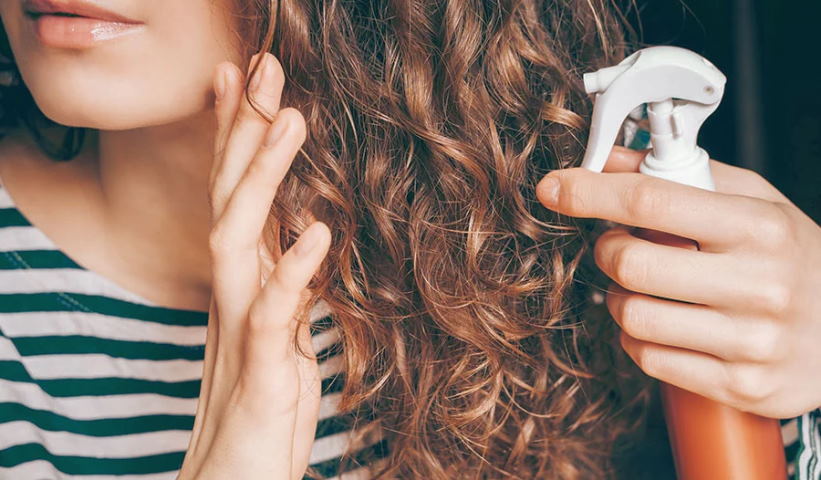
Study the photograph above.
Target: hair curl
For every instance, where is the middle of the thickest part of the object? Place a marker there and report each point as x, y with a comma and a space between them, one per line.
469, 338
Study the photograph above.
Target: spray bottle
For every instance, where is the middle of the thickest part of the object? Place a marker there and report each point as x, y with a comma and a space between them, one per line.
681, 89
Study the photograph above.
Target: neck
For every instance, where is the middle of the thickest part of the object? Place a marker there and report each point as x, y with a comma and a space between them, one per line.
153, 185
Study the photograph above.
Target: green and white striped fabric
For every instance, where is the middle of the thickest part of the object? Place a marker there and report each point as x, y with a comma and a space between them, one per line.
808, 455
97, 382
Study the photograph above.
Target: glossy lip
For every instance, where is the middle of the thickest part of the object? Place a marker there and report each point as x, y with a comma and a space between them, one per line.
76, 24
82, 8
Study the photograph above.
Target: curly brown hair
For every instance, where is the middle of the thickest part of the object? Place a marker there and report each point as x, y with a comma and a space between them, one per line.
470, 339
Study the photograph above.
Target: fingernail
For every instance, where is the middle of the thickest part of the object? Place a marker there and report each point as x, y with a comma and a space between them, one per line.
308, 241
549, 190
275, 132
262, 72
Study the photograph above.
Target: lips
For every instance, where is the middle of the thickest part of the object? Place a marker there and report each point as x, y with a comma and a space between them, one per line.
73, 8
76, 24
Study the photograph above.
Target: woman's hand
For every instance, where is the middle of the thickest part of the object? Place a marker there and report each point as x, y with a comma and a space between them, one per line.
739, 320
259, 400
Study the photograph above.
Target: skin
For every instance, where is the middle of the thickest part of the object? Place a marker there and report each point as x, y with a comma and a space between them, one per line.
141, 183
170, 198
736, 320
177, 183
259, 401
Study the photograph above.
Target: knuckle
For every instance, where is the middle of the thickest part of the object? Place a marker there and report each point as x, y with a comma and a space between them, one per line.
772, 228
639, 354
261, 320
268, 314
296, 121
601, 248
216, 241
219, 242
645, 199
257, 318
633, 317
262, 105
628, 267
650, 364
763, 343
774, 298
747, 384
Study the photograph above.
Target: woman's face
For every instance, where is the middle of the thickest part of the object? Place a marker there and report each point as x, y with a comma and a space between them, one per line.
154, 70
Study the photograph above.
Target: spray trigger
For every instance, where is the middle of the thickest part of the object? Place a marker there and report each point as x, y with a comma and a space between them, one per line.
681, 89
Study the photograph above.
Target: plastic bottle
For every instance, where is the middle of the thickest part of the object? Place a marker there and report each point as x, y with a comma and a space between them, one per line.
709, 440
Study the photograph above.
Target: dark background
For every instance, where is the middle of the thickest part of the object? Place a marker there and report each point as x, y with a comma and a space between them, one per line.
770, 51
769, 120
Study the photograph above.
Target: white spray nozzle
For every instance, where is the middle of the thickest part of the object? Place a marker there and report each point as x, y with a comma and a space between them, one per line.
682, 89
598, 81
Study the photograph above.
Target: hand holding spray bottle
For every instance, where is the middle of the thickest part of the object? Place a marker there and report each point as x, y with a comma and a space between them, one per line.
681, 88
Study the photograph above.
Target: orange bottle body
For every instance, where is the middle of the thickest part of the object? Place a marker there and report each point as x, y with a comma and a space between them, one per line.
711, 440
714, 441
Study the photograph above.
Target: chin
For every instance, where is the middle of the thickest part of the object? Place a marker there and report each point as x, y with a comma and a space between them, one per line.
113, 115
118, 103
109, 111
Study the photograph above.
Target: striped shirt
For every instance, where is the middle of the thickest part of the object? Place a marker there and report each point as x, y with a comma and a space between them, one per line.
97, 382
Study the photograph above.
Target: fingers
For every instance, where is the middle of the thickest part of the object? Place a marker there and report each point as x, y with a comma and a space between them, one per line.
271, 316
717, 221
251, 383
745, 282
745, 386
236, 236
666, 271
270, 360
623, 159
693, 371
694, 327
246, 129
247, 210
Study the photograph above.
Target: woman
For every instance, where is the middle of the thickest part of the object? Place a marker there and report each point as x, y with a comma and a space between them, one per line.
422, 130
